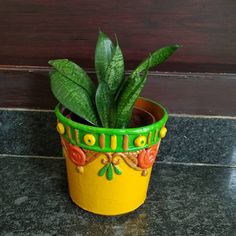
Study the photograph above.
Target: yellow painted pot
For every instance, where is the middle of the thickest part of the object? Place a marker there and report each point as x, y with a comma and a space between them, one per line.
109, 169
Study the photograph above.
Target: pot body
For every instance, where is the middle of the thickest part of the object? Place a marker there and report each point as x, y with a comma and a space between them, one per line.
109, 170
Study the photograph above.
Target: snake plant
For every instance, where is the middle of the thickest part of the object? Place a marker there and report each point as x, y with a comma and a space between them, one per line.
109, 104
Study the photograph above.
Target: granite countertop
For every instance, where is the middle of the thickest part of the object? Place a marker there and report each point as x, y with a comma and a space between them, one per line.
192, 189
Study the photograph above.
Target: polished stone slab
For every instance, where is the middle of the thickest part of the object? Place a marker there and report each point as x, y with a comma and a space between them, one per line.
28, 133
182, 200
200, 140
190, 139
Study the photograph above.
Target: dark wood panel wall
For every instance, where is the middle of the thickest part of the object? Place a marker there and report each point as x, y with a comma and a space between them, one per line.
32, 32
198, 93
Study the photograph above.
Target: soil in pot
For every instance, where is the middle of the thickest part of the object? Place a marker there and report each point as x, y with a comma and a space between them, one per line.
140, 117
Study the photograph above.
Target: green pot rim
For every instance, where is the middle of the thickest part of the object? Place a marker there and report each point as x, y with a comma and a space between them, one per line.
113, 131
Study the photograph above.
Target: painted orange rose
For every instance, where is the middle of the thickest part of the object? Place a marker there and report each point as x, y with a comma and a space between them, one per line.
147, 157
76, 154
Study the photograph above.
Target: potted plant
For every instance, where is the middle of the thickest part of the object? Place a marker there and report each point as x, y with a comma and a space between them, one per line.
110, 136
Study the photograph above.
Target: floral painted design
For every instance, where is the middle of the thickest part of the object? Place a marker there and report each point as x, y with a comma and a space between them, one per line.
76, 154
147, 157
110, 166
138, 160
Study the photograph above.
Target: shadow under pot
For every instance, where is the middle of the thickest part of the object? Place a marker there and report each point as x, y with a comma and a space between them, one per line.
109, 169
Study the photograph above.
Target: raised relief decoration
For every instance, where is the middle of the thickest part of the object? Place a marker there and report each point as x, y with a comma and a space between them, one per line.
138, 160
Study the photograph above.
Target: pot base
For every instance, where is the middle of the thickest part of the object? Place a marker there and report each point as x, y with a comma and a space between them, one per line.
107, 214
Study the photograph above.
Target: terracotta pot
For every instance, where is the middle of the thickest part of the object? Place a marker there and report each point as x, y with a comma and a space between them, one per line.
109, 169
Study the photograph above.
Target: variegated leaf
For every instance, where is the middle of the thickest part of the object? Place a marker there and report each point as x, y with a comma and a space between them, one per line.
75, 73
127, 98
103, 55
157, 57
115, 70
104, 102
74, 97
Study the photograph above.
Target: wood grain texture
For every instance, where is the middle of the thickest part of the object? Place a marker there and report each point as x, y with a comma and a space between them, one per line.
32, 32
190, 93
27, 89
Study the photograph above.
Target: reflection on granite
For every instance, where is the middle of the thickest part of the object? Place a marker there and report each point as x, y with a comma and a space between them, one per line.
196, 140
182, 200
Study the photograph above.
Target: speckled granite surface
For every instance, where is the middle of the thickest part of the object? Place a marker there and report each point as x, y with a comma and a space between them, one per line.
196, 140
28, 133
192, 189
182, 200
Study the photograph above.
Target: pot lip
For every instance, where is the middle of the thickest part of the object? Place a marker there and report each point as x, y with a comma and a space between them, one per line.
77, 125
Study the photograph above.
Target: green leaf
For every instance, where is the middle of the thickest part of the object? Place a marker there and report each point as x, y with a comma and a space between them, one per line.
103, 170
110, 172
113, 113
105, 95
131, 88
104, 103
103, 55
115, 70
157, 57
128, 96
75, 73
117, 170
73, 97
